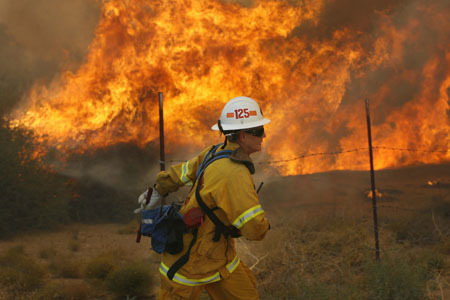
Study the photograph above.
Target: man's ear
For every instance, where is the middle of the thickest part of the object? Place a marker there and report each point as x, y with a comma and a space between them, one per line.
241, 137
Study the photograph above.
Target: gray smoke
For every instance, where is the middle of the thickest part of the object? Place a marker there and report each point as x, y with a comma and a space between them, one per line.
39, 39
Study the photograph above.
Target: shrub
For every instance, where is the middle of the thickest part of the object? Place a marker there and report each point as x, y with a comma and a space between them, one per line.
65, 267
435, 262
74, 245
47, 252
74, 231
312, 290
427, 227
18, 272
31, 194
99, 267
129, 280
397, 280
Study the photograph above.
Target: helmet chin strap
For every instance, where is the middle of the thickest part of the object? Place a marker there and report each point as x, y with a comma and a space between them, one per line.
221, 131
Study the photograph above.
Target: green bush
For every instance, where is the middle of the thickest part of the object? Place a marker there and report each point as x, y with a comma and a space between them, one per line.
32, 196
32, 193
129, 280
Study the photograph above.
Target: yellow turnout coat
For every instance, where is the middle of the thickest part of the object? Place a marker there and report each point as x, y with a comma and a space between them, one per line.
228, 185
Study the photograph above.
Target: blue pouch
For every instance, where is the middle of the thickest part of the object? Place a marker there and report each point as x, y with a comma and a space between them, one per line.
165, 226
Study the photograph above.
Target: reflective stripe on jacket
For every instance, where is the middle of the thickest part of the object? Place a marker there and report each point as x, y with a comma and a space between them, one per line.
228, 185
163, 269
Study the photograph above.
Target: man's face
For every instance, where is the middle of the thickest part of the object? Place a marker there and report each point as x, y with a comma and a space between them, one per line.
251, 139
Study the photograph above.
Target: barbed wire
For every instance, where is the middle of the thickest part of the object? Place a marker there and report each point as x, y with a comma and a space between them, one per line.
299, 157
409, 149
338, 153
399, 208
312, 154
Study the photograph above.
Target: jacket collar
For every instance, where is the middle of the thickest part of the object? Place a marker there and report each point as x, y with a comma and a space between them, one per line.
240, 156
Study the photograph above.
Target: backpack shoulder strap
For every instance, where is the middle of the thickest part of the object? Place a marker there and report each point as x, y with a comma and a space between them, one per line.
220, 226
184, 258
210, 157
207, 157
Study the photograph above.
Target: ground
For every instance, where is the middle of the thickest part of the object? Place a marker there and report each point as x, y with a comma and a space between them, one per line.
320, 246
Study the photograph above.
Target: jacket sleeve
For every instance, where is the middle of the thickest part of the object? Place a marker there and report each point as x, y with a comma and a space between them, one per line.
240, 202
179, 175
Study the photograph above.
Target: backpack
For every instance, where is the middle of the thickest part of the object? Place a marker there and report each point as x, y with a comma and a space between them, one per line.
165, 225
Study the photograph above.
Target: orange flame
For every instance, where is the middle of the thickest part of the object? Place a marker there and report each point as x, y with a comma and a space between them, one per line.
310, 83
377, 193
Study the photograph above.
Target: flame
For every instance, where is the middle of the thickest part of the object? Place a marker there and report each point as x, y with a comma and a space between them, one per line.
310, 83
377, 193
432, 182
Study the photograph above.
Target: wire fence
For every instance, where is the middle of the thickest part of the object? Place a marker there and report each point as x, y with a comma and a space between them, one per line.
352, 150
392, 211
333, 153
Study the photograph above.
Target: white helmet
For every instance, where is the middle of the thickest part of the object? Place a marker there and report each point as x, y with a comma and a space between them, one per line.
240, 113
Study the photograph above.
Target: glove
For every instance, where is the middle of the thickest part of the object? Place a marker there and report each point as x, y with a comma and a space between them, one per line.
155, 200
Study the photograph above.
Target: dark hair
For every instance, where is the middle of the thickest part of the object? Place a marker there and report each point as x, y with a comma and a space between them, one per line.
232, 135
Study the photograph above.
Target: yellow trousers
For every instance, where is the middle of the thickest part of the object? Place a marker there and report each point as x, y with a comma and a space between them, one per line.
240, 285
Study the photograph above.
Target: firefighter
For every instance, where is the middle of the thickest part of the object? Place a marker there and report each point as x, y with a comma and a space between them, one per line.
221, 206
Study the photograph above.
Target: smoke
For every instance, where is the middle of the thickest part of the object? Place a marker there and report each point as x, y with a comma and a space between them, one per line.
43, 39
244, 3
123, 167
416, 43
401, 76
39, 40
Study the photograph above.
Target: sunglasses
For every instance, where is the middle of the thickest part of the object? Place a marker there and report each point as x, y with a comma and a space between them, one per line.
259, 131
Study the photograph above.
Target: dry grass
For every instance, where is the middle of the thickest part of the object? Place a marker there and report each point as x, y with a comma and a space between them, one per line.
130, 280
74, 245
130, 228
321, 245
65, 267
301, 258
334, 259
99, 267
18, 272
68, 274
47, 252
67, 290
